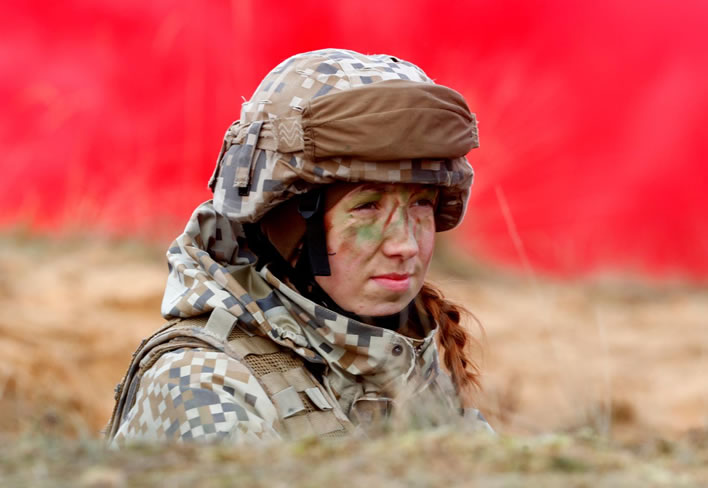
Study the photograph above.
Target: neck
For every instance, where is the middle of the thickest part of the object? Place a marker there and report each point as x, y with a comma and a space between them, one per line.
391, 322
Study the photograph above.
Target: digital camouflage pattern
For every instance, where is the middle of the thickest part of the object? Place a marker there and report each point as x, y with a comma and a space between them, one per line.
197, 394
231, 384
369, 372
261, 162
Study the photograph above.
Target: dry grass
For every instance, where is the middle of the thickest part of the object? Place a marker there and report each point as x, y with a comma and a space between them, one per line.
414, 459
617, 363
623, 356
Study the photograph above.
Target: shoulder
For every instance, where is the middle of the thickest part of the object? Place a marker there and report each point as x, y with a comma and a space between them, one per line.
199, 394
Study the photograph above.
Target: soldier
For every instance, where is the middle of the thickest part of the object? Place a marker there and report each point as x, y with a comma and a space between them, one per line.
297, 296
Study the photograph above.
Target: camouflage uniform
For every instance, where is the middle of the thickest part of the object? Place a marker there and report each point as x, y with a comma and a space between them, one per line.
224, 377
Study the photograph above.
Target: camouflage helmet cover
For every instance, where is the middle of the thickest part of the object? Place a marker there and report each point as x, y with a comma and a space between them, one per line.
267, 156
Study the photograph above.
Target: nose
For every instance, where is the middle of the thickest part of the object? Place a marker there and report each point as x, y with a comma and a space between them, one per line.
399, 240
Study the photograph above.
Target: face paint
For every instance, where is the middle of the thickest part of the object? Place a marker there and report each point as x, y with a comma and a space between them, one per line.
380, 239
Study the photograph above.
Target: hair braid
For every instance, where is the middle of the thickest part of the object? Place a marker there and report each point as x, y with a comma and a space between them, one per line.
454, 338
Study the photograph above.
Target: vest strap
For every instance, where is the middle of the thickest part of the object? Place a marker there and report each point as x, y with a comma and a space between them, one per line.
301, 402
243, 346
220, 324
316, 397
288, 402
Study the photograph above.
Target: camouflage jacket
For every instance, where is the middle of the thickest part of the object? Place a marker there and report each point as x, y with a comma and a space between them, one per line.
327, 374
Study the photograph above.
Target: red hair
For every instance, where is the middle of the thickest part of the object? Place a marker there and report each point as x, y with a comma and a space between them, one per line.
455, 339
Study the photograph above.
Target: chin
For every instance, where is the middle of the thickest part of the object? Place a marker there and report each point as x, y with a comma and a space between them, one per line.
381, 309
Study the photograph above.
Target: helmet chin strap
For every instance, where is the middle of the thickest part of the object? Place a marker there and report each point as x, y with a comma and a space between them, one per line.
312, 261
311, 208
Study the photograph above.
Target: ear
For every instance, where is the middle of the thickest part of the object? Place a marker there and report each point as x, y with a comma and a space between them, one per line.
285, 229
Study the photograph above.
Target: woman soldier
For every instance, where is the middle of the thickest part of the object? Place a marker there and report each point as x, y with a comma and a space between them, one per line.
297, 298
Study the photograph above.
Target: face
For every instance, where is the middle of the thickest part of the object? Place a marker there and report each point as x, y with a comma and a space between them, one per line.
380, 239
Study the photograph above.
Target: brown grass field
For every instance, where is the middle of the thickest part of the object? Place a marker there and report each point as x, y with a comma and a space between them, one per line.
591, 383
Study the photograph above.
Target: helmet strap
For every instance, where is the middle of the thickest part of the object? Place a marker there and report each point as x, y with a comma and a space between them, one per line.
311, 208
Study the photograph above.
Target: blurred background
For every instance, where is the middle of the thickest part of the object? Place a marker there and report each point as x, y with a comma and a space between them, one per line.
584, 253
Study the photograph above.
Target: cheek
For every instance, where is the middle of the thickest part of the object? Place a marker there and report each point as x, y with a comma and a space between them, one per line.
348, 266
351, 240
366, 235
347, 258
342, 252
424, 231
427, 245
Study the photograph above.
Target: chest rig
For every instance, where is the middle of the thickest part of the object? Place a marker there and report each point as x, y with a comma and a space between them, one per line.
304, 407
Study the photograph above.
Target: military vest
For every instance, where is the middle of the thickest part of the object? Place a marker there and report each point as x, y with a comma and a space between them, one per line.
304, 407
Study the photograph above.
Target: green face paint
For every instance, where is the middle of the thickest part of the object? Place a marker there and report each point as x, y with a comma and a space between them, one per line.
366, 215
380, 240
368, 233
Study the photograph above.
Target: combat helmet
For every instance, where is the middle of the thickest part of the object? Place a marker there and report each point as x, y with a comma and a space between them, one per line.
336, 115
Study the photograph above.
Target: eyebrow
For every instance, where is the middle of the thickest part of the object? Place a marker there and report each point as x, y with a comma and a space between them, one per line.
380, 187
386, 187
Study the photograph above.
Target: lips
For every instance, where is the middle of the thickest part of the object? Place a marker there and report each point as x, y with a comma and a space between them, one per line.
393, 281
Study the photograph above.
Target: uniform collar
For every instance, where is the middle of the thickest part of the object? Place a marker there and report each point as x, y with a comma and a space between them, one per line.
353, 348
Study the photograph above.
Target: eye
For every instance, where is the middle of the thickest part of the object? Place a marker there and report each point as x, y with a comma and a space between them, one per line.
367, 206
424, 202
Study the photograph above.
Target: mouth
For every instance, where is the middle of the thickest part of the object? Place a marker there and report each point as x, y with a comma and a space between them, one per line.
393, 281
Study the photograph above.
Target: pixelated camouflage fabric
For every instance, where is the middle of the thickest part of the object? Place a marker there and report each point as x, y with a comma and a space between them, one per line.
193, 394
199, 395
208, 270
262, 162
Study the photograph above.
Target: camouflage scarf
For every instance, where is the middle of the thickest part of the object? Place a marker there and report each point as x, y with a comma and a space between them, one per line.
210, 267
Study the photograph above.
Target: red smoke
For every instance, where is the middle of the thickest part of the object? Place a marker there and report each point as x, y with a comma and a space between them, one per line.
592, 116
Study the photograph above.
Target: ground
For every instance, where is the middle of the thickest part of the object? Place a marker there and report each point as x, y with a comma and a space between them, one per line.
614, 363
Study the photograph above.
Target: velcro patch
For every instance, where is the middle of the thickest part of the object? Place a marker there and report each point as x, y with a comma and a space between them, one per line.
288, 402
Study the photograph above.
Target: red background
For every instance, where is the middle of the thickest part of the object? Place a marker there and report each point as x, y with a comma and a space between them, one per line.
592, 115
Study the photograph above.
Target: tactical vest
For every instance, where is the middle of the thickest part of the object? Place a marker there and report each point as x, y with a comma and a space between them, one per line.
304, 407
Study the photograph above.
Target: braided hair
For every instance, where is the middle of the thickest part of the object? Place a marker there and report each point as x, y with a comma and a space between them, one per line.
455, 339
